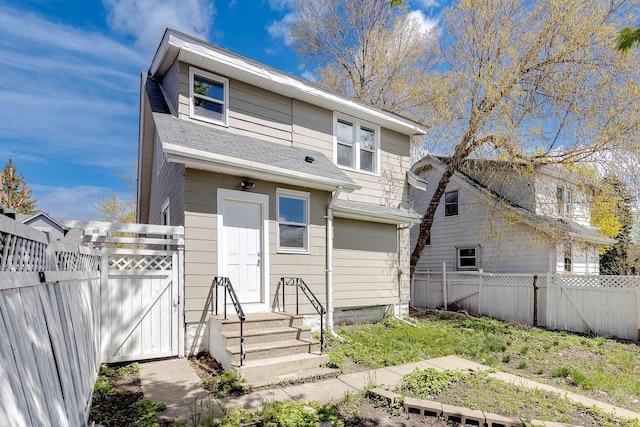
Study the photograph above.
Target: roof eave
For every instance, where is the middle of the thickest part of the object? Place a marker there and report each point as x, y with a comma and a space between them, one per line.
197, 159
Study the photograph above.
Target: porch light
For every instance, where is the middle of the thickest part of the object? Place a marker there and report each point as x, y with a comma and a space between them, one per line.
246, 185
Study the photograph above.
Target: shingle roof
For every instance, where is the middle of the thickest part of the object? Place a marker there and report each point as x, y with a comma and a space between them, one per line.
207, 139
377, 211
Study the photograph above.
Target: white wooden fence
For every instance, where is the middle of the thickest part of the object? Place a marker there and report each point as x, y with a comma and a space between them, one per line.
49, 329
603, 305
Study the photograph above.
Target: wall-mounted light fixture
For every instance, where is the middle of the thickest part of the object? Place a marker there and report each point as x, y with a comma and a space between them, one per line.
246, 185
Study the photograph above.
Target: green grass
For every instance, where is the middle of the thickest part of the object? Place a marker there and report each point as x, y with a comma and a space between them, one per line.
607, 368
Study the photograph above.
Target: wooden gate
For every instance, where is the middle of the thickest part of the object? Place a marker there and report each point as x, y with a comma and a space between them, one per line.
142, 315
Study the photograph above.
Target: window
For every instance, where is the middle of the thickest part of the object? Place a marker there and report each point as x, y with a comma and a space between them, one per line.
467, 259
563, 201
567, 257
209, 96
451, 203
293, 221
165, 219
356, 145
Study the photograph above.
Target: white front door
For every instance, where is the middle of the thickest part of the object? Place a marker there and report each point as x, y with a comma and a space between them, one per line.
242, 218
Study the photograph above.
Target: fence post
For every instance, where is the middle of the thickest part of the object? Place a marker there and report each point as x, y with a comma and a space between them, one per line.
444, 284
480, 306
638, 309
535, 300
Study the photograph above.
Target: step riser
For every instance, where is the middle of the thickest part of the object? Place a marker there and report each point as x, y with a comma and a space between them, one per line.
265, 354
280, 336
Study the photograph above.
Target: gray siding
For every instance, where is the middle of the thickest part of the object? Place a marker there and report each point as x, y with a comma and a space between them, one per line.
365, 264
170, 85
169, 183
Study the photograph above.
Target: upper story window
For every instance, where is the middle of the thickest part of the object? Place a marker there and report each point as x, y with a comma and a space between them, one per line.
563, 201
451, 203
293, 221
209, 96
356, 145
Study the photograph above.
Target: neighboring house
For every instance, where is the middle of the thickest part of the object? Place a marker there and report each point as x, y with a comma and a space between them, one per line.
273, 176
43, 222
500, 217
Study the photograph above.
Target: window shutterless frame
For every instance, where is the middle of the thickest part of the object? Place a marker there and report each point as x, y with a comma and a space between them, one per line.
293, 216
467, 258
208, 97
356, 144
451, 203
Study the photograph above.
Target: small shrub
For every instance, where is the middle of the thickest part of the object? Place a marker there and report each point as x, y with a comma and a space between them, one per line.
524, 350
522, 365
540, 371
506, 358
427, 383
560, 372
580, 379
336, 361
288, 414
228, 383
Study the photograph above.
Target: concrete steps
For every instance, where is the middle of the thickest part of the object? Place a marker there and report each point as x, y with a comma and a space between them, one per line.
278, 348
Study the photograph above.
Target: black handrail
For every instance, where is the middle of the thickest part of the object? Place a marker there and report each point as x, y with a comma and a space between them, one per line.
299, 284
226, 283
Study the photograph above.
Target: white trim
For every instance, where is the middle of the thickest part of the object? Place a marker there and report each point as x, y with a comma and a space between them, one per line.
166, 207
198, 159
263, 201
225, 89
357, 126
300, 195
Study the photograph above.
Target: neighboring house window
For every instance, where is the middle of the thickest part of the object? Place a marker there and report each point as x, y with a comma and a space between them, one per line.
567, 257
467, 258
563, 201
293, 221
209, 95
165, 218
159, 157
451, 203
356, 145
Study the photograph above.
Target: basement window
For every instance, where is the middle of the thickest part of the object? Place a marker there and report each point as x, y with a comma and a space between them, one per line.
467, 258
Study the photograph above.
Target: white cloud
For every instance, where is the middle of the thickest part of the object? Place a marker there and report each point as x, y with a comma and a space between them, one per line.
425, 23
66, 202
281, 30
146, 20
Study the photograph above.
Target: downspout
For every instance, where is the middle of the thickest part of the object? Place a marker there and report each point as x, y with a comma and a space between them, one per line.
399, 229
334, 198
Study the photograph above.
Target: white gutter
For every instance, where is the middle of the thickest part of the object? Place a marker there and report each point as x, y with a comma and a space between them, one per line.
334, 198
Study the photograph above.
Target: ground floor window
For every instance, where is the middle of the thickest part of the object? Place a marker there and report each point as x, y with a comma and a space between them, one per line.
467, 258
293, 221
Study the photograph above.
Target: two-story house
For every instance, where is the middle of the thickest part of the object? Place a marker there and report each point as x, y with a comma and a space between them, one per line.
504, 217
273, 176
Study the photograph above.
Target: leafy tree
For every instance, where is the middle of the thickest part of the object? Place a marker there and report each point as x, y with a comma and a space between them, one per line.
15, 193
369, 50
613, 213
628, 38
538, 82
113, 207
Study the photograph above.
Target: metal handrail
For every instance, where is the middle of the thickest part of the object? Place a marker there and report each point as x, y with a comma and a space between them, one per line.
226, 283
300, 284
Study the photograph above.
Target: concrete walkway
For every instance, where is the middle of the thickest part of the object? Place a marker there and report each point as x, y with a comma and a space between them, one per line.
176, 383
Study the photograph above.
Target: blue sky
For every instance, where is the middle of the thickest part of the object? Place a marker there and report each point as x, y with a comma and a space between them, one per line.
69, 80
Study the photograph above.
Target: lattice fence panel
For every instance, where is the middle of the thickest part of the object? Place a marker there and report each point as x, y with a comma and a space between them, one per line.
21, 254
73, 261
624, 282
140, 262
